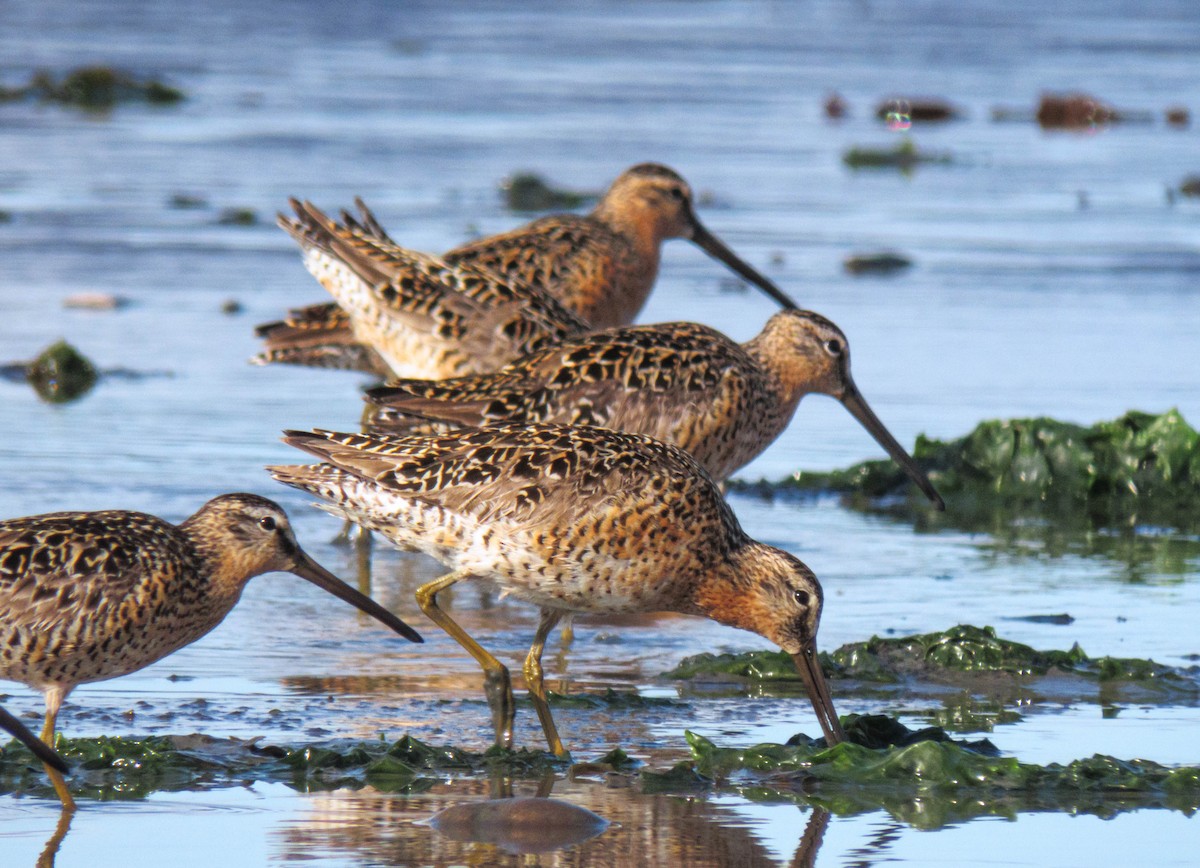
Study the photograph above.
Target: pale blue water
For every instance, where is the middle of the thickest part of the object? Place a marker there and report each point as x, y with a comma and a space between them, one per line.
1020, 302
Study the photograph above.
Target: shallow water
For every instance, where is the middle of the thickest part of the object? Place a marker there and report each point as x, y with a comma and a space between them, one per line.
1052, 276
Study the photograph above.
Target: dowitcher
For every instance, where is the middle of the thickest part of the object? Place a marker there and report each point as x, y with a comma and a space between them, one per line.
571, 519
684, 383
89, 596
39, 748
406, 313
601, 266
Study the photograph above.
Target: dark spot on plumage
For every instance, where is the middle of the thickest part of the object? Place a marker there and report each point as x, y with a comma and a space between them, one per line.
594, 372
560, 467
523, 469
576, 356
480, 474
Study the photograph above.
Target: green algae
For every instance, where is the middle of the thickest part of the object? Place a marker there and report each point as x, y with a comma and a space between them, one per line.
903, 156
527, 191
954, 656
923, 777
928, 783
60, 374
110, 767
1138, 468
610, 699
93, 88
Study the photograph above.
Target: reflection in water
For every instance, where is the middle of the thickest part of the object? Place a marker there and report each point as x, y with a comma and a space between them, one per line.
646, 830
519, 825
50, 851
873, 849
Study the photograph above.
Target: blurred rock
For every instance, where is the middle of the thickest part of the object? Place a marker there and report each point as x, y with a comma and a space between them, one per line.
1073, 111
876, 263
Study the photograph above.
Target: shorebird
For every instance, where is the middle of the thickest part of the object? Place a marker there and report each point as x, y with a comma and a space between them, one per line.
405, 313
684, 383
601, 266
89, 596
571, 519
48, 755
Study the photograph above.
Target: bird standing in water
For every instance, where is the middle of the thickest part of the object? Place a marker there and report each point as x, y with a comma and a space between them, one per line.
599, 266
571, 519
89, 596
687, 384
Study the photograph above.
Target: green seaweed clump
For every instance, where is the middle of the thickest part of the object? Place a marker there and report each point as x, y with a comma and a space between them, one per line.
95, 88
61, 373
929, 783
1141, 466
903, 156
111, 767
947, 656
526, 191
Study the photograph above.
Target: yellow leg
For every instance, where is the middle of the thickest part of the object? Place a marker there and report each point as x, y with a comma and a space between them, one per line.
567, 635
497, 683
534, 680
54, 698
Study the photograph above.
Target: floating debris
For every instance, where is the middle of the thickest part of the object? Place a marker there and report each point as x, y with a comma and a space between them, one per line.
835, 106
918, 110
520, 825
237, 217
186, 202
903, 156
231, 307
1061, 620
95, 88
876, 263
526, 191
95, 301
1178, 117
1190, 186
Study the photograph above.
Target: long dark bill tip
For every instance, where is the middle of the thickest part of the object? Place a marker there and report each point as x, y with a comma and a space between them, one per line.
716, 248
308, 569
853, 401
809, 668
39, 748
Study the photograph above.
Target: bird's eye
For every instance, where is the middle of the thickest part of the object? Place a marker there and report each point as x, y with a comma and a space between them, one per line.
267, 523
833, 346
802, 597
677, 193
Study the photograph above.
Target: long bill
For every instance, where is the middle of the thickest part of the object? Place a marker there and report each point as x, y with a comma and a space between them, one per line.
308, 569
39, 748
716, 248
853, 401
809, 668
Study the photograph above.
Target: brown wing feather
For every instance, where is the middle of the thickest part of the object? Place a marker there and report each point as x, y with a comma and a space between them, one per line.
527, 473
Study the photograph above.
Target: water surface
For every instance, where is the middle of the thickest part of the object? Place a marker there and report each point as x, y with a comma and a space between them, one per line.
1052, 275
